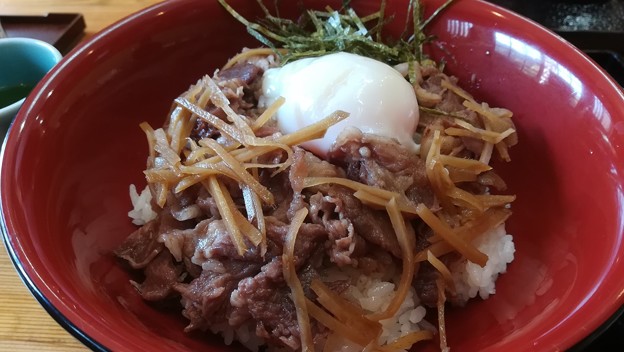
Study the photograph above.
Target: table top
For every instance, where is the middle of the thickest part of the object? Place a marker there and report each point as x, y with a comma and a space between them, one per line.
24, 324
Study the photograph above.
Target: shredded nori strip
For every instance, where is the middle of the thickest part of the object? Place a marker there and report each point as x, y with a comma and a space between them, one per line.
318, 33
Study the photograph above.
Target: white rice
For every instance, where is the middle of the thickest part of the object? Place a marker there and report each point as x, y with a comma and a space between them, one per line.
142, 212
471, 279
375, 295
245, 335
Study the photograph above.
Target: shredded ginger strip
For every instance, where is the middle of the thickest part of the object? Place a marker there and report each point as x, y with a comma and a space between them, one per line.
407, 274
345, 311
442, 269
244, 176
268, 114
323, 317
462, 246
313, 131
405, 342
227, 213
290, 276
487, 221
368, 193
441, 323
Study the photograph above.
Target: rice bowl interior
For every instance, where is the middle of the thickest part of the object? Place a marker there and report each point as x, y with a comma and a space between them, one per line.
568, 234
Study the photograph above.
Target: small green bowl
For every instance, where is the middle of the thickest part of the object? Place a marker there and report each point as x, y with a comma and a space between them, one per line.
23, 63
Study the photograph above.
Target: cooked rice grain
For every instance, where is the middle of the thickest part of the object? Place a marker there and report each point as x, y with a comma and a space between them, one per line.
471, 279
142, 212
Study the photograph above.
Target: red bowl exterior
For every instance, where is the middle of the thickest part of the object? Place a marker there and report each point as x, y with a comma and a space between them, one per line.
76, 146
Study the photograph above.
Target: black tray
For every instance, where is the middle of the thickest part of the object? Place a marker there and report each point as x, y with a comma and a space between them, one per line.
63, 30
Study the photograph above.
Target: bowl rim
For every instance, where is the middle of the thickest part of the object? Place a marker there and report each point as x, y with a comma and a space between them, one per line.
61, 319
16, 252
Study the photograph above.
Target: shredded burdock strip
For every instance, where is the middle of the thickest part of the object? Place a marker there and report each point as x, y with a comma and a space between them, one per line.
193, 175
240, 131
486, 153
219, 99
464, 164
201, 169
151, 140
247, 229
457, 90
223, 127
469, 130
499, 131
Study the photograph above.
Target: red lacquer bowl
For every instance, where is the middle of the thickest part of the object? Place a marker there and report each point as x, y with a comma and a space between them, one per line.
76, 146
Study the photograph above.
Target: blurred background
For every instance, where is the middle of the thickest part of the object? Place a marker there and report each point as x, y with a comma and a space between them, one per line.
595, 26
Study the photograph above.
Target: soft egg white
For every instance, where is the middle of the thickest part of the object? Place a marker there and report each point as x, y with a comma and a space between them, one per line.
378, 98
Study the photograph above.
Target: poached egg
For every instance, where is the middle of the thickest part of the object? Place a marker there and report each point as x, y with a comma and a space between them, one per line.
378, 98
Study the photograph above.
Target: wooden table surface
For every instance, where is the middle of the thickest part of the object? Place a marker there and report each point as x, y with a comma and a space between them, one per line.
24, 324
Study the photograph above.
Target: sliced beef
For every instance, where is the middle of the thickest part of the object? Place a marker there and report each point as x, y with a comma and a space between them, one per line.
425, 284
218, 244
183, 243
377, 262
203, 129
383, 163
344, 243
245, 73
206, 299
308, 238
425, 281
183, 206
141, 246
207, 204
267, 299
306, 164
371, 224
324, 210
283, 194
161, 275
